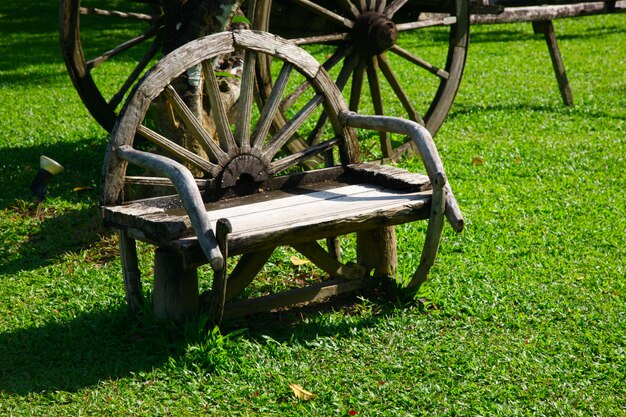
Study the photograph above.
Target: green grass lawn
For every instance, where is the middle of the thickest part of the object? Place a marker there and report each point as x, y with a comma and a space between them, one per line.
526, 310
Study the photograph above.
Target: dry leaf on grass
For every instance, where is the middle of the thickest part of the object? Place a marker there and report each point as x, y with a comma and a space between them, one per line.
297, 261
301, 393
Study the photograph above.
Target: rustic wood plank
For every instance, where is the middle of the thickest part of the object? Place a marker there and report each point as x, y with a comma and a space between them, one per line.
425, 145
162, 182
218, 289
388, 176
300, 295
548, 12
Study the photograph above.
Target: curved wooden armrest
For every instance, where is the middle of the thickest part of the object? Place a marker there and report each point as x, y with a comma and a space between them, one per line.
425, 146
189, 195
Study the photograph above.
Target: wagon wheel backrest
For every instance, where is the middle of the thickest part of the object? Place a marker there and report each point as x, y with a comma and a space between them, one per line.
168, 113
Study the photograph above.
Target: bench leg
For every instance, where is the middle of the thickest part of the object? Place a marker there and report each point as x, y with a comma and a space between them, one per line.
175, 288
130, 271
547, 28
376, 251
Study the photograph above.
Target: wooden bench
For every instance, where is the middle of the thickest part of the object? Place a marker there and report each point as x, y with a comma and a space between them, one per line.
243, 195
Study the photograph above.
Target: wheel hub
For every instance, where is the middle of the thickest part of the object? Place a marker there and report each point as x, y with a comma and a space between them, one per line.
244, 174
374, 33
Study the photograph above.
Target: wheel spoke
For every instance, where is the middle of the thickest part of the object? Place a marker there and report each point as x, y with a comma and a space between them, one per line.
115, 13
141, 65
420, 24
393, 81
357, 88
321, 39
443, 74
330, 15
287, 131
330, 63
178, 151
246, 97
271, 106
348, 5
195, 126
394, 7
123, 47
301, 156
342, 80
377, 101
225, 136
380, 5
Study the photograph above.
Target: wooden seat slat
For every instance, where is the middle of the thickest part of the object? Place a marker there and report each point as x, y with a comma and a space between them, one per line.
304, 208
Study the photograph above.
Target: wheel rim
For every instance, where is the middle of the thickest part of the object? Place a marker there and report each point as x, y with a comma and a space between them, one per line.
376, 62
140, 46
238, 159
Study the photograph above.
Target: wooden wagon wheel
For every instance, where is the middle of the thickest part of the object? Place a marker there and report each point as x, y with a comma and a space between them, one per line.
372, 40
238, 160
90, 53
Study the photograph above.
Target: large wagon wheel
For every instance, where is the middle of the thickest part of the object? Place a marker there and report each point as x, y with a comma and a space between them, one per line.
375, 40
88, 53
238, 160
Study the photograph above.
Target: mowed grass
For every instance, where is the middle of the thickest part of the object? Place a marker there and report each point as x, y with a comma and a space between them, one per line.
524, 313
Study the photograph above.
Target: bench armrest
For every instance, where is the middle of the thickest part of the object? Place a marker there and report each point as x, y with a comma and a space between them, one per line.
188, 192
425, 146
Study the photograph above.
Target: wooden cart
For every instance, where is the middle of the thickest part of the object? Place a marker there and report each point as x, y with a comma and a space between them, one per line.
365, 40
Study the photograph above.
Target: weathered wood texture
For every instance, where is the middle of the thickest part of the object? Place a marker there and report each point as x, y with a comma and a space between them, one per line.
546, 28
282, 216
175, 287
547, 12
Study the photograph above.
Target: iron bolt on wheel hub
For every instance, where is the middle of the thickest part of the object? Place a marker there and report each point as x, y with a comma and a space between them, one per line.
374, 33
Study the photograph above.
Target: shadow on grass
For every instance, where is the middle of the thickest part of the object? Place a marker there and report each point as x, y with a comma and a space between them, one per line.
68, 221
305, 323
57, 235
72, 355
101, 345
82, 160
